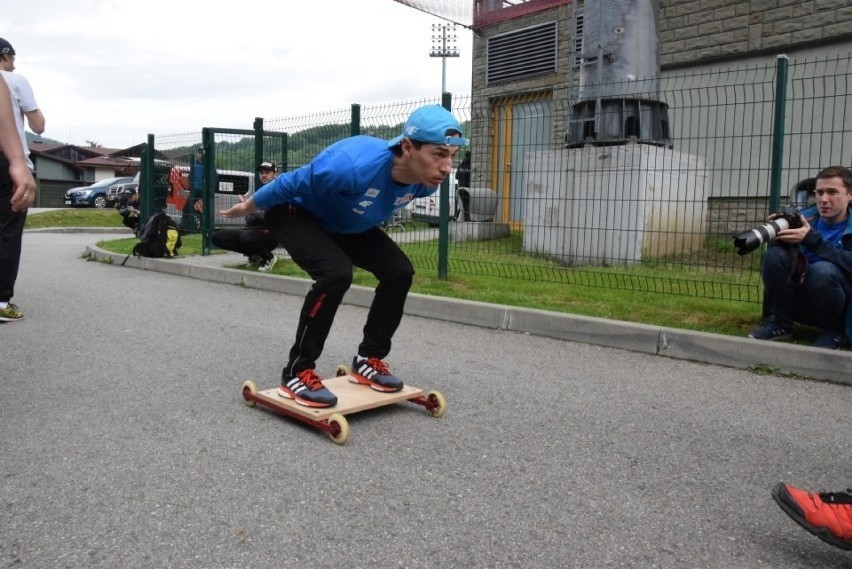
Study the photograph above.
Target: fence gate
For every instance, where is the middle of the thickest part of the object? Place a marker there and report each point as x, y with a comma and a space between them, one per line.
192, 182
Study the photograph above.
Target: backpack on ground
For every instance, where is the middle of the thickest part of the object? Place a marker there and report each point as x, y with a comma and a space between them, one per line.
160, 237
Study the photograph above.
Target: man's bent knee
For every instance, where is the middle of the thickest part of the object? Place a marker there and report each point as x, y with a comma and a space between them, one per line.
335, 281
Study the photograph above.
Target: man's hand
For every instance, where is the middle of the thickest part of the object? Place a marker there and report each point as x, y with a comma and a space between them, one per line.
242, 209
23, 194
794, 236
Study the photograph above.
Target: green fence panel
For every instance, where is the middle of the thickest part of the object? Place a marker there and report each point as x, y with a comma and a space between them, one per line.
652, 218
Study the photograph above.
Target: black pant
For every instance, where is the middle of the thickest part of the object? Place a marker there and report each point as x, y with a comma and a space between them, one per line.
821, 300
329, 259
131, 221
250, 241
11, 230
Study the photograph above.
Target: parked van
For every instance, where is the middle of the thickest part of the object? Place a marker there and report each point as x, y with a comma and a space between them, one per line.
186, 209
427, 209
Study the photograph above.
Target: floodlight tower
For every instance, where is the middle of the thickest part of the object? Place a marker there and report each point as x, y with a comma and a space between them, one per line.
444, 46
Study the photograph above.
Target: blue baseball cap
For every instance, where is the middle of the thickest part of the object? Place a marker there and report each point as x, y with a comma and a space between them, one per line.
430, 124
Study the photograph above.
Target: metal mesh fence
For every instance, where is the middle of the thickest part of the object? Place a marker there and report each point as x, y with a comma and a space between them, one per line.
632, 215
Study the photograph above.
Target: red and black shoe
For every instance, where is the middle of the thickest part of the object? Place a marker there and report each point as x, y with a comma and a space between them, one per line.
307, 389
375, 373
826, 515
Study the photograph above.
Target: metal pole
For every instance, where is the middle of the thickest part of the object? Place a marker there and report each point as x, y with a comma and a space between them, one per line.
778, 133
444, 62
442, 49
258, 149
444, 210
146, 181
210, 185
355, 124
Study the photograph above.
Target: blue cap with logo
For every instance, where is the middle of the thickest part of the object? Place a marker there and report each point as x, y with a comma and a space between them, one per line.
430, 124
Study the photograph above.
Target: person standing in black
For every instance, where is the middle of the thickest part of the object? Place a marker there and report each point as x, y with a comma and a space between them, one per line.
17, 184
463, 171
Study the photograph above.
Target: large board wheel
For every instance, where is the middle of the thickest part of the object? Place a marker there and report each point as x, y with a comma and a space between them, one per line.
341, 370
438, 404
249, 387
342, 428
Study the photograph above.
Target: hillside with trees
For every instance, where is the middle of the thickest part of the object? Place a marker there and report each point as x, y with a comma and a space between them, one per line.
301, 147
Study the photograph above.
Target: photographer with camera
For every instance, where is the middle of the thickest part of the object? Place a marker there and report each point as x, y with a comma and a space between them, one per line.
128, 209
807, 268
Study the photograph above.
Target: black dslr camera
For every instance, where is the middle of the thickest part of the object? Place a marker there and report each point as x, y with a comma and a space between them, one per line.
748, 241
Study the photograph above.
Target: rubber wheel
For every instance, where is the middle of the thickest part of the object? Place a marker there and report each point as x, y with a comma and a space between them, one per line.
440, 403
99, 202
341, 370
342, 424
249, 387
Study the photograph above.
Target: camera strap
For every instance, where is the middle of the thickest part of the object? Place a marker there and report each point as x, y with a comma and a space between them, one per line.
797, 266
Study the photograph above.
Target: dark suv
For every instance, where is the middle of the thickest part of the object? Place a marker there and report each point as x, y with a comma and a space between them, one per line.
116, 192
93, 195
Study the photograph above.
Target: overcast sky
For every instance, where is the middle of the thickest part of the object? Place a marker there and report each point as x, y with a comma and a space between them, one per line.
112, 71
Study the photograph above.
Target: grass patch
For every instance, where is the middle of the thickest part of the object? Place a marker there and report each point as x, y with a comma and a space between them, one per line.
700, 291
74, 217
673, 311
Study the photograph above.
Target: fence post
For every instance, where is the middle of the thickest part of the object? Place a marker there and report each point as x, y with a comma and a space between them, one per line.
444, 209
778, 132
210, 184
284, 147
355, 125
146, 181
258, 149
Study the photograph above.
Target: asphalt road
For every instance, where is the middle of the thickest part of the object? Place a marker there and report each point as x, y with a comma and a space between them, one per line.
125, 442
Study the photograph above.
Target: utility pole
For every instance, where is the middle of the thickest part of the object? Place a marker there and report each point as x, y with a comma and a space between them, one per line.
444, 46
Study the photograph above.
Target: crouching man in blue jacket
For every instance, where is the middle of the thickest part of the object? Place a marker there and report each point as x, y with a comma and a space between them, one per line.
327, 213
820, 294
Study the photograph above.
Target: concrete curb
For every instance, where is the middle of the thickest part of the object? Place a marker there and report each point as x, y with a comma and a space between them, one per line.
106, 230
729, 351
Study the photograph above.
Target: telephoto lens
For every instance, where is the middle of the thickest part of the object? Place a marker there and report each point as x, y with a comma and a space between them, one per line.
748, 241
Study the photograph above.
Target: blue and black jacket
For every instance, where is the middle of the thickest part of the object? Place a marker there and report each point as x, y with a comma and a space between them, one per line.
814, 243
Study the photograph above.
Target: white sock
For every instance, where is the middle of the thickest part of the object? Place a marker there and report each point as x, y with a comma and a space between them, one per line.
359, 358
4, 305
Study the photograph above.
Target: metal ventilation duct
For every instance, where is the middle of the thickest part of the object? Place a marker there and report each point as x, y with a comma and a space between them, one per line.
618, 98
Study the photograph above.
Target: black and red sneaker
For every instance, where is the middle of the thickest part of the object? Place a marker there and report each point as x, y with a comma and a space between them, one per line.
307, 389
827, 515
375, 373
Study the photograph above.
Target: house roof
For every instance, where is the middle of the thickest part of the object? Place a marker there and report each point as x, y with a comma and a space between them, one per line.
96, 157
47, 148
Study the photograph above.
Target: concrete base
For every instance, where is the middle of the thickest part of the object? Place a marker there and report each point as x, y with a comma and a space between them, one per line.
614, 205
477, 230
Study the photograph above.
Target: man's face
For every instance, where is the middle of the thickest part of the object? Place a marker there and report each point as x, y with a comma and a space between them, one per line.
431, 163
7, 63
832, 198
266, 176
